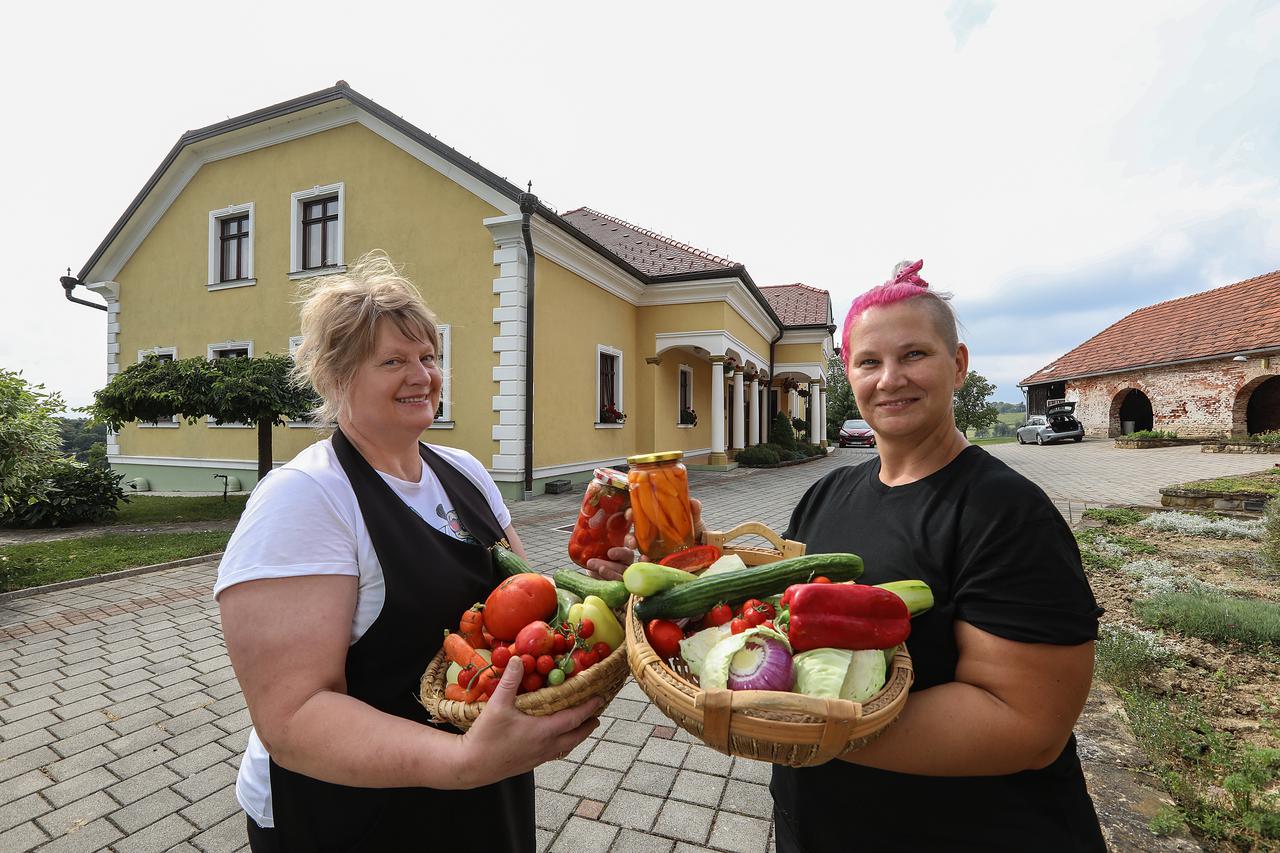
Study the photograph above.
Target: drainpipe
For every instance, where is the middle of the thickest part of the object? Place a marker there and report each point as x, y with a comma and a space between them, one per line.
528, 203
768, 391
69, 283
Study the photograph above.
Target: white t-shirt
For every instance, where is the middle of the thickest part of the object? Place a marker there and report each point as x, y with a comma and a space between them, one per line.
303, 519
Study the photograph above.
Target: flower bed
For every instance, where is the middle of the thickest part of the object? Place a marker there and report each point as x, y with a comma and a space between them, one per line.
1144, 443
1238, 447
1244, 492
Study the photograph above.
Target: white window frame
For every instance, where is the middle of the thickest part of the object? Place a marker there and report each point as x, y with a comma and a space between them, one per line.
218, 347
175, 421
296, 202
601, 350
215, 247
295, 341
443, 358
684, 368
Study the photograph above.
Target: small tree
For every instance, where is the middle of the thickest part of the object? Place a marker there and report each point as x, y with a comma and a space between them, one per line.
840, 403
258, 391
29, 440
781, 432
970, 404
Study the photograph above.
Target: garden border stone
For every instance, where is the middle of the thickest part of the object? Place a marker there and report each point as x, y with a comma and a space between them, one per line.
1238, 447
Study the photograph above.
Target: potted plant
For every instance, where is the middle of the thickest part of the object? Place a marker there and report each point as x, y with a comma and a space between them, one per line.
688, 417
610, 414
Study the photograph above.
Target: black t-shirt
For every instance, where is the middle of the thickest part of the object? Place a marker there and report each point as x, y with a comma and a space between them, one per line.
998, 555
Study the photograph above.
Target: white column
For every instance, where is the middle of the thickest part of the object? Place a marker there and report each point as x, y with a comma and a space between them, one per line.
738, 426
509, 333
814, 395
753, 422
718, 456
110, 291
822, 415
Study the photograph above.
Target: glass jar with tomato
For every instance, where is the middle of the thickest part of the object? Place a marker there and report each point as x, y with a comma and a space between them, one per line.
602, 521
660, 503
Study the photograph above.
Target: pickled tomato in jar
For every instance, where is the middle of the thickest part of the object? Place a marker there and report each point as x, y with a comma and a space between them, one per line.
602, 521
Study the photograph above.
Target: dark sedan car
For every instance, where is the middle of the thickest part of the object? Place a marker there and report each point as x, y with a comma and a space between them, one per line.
857, 433
1058, 423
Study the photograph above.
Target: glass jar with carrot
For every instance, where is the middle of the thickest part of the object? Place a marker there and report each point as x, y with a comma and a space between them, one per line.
660, 503
602, 520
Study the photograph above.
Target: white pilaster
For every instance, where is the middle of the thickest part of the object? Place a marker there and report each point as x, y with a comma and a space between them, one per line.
110, 291
738, 411
511, 284
815, 416
822, 416
753, 421
718, 456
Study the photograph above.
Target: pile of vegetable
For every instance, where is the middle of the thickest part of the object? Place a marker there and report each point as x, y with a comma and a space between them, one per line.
558, 630
801, 624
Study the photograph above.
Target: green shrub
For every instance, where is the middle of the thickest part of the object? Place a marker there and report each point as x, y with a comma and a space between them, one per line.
1268, 437
1114, 516
800, 425
72, 493
1126, 656
781, 432
757, 456
1270, 551
1213, 616
29, 439
1150, 434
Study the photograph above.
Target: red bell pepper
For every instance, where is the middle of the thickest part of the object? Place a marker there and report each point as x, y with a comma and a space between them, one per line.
692, 559
845, 616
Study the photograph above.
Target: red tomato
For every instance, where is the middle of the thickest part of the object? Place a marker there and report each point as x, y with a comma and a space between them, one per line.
581, 660
719, 615
530, 663
692, 559
586, 628
532, 681
501, 656
737, 626
664, 636
559, 644
465, 675
546, 663
590, 659
519, 600
821, 579
534, 639
616, 527
601, 650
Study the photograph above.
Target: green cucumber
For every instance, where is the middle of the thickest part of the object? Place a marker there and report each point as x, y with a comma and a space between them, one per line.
915, 594
508, 561
698, 596
651, 578
614, 593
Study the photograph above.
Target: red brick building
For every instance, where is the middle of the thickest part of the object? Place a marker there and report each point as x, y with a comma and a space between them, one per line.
1203, 365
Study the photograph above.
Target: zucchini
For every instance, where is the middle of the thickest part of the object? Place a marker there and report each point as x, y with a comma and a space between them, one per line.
508, 561
698, 596
651, 578
614, 593
915, 594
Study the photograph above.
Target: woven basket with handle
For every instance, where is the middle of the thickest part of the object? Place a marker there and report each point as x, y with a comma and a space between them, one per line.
773, 726
604, 679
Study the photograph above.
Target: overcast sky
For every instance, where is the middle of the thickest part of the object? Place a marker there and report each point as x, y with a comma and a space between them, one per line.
1056, 165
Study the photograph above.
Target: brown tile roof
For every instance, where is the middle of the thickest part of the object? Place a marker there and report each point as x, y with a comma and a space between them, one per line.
647, 251
1236, 318
799, 304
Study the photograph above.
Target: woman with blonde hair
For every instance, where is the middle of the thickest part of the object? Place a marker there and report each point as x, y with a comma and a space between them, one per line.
345, 569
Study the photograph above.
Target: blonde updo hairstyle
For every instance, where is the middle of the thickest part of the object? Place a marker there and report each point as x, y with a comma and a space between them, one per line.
340, 315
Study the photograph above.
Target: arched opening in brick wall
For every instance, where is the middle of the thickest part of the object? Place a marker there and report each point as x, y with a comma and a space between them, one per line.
1257, 407
1130, 405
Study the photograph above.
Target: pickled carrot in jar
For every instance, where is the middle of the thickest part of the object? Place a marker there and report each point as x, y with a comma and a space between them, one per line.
660, 503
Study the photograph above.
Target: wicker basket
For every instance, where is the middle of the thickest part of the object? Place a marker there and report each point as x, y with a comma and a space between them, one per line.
604, 679
773, 726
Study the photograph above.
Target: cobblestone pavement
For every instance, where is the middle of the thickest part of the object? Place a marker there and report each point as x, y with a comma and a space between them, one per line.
121, 723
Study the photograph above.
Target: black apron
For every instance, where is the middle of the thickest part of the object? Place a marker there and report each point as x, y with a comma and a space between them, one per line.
431, 578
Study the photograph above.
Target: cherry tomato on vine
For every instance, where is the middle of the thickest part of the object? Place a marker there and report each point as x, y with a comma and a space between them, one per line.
719, 615
737, 626
586, 628
601, 650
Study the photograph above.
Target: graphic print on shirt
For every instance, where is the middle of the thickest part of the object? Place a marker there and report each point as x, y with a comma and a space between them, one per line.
453, 525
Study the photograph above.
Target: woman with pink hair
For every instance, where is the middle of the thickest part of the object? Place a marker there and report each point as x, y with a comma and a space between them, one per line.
983, 756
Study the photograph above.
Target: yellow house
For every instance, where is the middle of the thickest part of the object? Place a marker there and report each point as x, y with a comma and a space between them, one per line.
632, 341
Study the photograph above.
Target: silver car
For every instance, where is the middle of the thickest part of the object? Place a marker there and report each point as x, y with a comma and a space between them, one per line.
1058, 423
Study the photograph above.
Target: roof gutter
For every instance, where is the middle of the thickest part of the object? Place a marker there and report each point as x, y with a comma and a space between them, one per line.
1127, 369
528, 204
69, 283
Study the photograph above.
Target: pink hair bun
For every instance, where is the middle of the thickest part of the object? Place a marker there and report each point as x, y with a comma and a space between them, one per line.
906, 273
904, 284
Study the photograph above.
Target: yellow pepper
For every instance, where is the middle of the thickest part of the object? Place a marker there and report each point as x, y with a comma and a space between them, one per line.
607, 628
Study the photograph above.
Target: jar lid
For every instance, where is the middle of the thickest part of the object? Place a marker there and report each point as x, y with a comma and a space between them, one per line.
649, 458
612, 477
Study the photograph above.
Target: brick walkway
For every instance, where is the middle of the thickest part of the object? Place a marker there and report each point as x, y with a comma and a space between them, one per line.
121, 723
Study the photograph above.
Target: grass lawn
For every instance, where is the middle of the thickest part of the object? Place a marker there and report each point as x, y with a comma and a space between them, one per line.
1264, 482
1002, 440
38, 563
157, 509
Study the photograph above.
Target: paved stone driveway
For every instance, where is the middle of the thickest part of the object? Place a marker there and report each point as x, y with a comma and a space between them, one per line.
121, 724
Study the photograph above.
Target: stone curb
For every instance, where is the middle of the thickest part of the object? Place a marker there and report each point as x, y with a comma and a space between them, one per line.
108, 576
